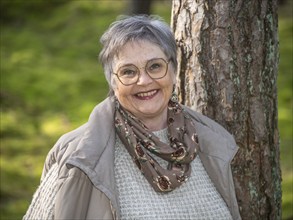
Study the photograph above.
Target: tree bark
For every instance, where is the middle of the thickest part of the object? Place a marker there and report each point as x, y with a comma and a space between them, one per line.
140, 7
228, 63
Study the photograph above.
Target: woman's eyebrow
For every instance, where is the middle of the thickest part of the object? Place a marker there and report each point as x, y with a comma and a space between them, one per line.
126, 64
130, 64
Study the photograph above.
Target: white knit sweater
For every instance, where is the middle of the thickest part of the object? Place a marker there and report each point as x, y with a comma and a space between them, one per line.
42, 205
195, 199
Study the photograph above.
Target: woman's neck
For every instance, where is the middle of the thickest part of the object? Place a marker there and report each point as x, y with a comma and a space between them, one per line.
155, 123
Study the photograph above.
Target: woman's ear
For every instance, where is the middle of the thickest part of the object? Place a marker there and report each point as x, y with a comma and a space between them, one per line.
173, 74
114, 89
174, 79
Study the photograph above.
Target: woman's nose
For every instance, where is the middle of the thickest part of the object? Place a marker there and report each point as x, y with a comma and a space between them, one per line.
144, 78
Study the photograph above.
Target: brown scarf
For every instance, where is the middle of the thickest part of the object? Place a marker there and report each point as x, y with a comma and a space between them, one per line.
139, 141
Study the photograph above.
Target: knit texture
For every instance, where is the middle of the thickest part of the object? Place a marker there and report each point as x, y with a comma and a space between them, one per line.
42, 205
195, 199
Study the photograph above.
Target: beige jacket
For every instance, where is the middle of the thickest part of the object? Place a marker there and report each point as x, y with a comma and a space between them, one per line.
85, 156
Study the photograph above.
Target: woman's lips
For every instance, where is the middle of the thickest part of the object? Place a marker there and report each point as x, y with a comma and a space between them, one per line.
146, 95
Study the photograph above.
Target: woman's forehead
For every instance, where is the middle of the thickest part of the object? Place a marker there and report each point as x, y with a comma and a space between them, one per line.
138, 53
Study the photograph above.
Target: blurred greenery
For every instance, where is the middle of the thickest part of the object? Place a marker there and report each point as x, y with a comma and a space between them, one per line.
51, 80
285, 104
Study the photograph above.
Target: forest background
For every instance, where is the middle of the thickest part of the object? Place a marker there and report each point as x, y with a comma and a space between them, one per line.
51, 80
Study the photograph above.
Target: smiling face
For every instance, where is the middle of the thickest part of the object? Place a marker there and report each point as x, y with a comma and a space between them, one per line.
148, 98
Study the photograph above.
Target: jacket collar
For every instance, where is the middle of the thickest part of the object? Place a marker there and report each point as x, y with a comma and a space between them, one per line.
99, 137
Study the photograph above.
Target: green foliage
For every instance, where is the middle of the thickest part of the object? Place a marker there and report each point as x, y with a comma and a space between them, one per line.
18, 11
285, 100
51, 80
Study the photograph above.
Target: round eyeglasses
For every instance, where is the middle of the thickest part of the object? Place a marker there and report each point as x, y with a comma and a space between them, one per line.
129, 74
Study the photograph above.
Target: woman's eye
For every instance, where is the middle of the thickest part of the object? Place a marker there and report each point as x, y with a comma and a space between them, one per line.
127, 73
155, 67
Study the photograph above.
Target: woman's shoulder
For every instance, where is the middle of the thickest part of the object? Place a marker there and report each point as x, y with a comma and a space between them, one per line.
207, 124
214, 139
71, 135
68, 142
60, 148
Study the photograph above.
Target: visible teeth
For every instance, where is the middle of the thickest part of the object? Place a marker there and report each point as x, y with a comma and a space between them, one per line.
145, 94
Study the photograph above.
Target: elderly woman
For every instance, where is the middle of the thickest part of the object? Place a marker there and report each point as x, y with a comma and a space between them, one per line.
141, 155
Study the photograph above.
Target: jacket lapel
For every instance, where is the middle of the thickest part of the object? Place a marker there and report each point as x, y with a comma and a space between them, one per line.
95, 152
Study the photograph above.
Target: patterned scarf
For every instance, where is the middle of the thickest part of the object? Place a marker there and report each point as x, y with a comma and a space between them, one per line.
140, 143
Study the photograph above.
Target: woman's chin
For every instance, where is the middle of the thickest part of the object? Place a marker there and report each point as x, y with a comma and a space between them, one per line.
149, 106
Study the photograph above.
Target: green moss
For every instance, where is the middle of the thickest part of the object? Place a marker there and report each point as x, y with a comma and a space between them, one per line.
252, 191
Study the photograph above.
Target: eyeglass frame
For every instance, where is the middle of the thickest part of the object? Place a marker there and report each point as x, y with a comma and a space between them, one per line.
139, 72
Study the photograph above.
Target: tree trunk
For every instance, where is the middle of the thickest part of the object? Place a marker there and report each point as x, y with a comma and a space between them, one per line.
140, 7
228, 64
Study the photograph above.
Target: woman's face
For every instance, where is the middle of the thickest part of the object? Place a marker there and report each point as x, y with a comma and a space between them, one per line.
147, 98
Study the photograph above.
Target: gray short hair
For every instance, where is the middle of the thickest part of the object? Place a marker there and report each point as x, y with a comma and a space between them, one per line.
135, 28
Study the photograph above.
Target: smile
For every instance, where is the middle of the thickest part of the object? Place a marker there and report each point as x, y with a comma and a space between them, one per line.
146, 95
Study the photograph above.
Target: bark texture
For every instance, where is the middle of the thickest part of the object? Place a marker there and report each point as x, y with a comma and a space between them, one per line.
228, 63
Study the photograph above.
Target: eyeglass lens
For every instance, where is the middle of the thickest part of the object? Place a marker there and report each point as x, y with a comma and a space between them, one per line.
156, 69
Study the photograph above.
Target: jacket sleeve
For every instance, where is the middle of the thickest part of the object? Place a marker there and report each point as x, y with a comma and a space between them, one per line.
50, 160
77, 198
